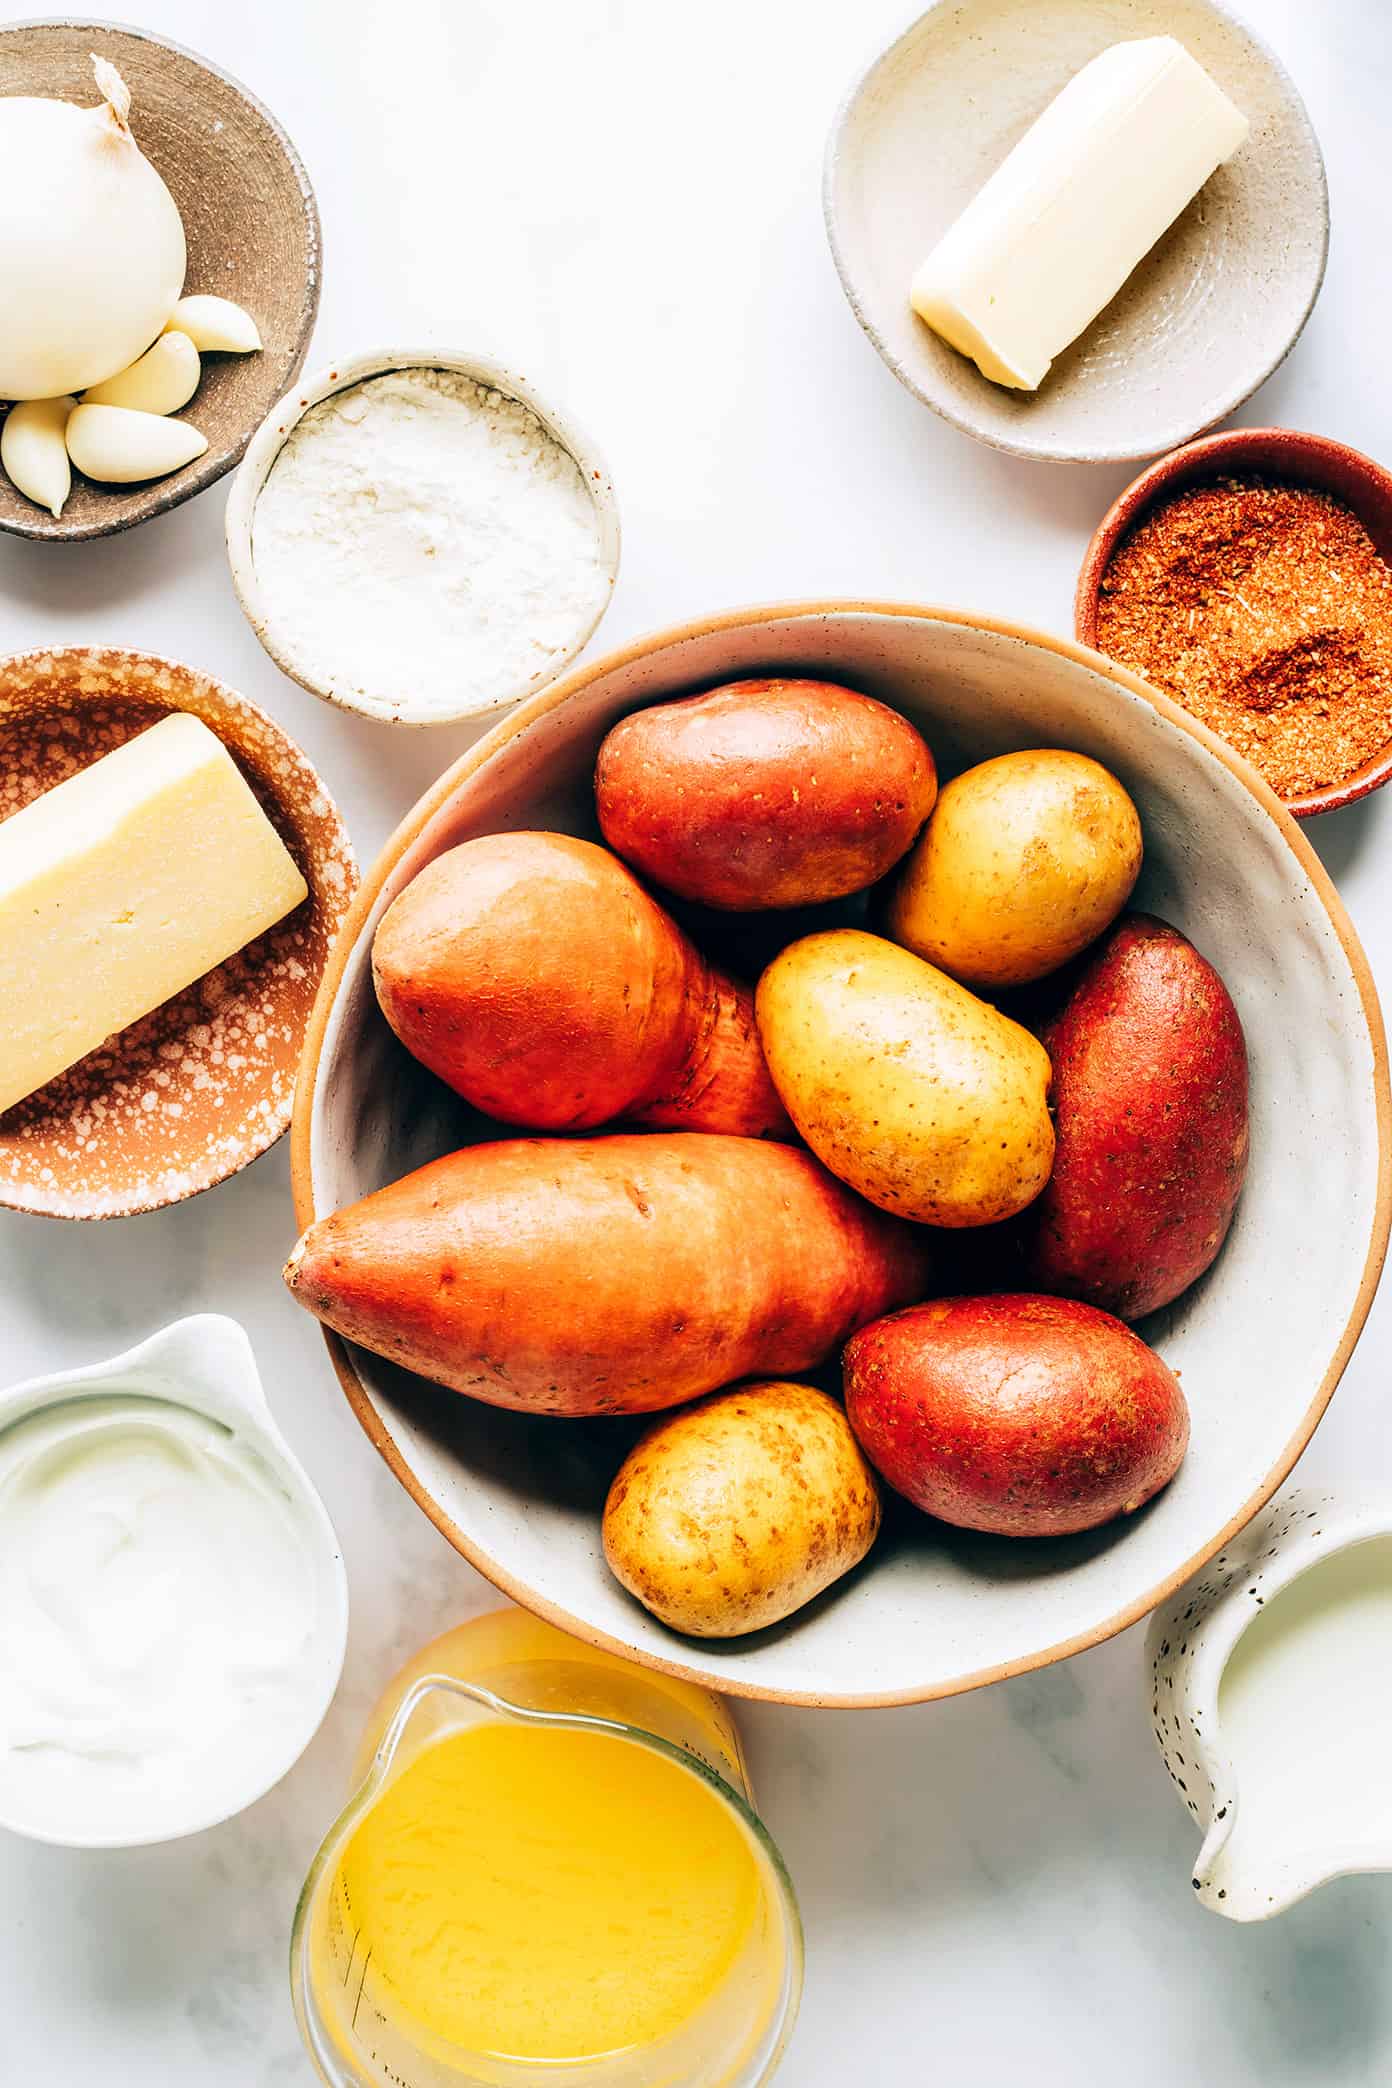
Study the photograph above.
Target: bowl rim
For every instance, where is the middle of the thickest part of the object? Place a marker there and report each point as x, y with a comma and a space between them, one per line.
1090, 453
502, 735
208, 469
278, 1122
270, 438
1193, 464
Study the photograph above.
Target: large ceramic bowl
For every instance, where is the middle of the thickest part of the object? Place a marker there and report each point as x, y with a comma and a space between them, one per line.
1261, 1341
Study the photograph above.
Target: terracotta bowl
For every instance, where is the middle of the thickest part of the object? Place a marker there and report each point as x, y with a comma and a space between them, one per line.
194, 1091
252, 229
1202, 320
933, 1610
1283, 453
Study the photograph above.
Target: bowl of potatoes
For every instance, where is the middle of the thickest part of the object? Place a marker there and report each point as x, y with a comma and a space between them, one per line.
843, 1150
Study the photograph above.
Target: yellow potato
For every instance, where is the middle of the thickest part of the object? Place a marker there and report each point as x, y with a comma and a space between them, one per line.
1024, 862
930, 1103
734, 1512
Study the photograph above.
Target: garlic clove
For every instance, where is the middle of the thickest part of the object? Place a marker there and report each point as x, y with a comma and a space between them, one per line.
215, 325
161, 381
118, 445
34, 453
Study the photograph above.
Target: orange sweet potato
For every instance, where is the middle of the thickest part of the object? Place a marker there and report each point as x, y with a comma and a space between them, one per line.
534, 974
764, 793
607, 1275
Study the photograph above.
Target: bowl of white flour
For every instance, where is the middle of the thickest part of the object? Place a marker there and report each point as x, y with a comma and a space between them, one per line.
418, 537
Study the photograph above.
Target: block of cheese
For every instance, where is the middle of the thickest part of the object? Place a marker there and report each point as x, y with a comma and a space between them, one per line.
123, 885
1083, 197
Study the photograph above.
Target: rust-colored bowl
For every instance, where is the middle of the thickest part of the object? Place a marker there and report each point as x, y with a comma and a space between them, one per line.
204, 1084
252, 229
1281, 453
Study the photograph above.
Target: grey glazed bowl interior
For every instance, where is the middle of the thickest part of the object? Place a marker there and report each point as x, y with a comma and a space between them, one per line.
1205, 317
933, 1610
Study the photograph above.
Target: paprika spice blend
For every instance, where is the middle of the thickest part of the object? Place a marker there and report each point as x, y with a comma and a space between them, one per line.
1266, 610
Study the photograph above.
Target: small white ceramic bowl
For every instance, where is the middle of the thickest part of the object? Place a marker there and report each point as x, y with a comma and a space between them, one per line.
933, 1610
206, 1364
1204, 318
259, 462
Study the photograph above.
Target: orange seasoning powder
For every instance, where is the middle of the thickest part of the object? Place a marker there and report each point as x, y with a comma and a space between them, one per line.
1267, 612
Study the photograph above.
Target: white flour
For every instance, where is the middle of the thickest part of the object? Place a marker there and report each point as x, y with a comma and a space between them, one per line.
424, 546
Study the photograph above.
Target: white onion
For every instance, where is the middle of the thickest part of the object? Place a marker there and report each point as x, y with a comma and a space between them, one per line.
91, 243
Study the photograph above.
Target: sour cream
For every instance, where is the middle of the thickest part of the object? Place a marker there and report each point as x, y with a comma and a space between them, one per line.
161, 1649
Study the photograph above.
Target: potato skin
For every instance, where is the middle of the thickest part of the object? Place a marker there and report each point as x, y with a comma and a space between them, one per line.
740, 1509
764, 793
1024, 1416
927, 1101
1150, 1101
535, 976
607, 1275
1024, 862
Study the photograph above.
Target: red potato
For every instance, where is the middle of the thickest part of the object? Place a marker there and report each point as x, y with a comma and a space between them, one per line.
1150, 1107
607, 1275
1024, 1416
534, 974
765, 793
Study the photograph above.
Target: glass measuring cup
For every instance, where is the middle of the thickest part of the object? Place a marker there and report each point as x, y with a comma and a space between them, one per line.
510, 1670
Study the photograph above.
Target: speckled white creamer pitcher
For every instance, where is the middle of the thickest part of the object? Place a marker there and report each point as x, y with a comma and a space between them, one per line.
1270, 1673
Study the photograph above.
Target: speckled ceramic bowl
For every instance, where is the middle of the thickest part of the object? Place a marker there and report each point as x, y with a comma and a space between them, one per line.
933, 1610
194, 1091
260, 462
252, 228
1203, 319
1280, 453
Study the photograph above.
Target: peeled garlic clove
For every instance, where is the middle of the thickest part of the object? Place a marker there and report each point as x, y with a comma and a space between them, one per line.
34, 453
216, 325
164, 379
117, 445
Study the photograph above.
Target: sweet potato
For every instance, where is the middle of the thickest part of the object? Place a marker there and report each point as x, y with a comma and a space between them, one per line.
1150, 1105
764, 793
1025, 1416
534, 974
607, 1275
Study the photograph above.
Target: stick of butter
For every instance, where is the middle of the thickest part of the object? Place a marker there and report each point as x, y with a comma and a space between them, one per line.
121, 887
1083, 197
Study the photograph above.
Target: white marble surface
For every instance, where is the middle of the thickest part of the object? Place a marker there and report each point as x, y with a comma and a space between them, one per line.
621, 196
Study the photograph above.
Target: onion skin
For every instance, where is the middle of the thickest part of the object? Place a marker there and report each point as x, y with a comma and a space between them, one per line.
92, 249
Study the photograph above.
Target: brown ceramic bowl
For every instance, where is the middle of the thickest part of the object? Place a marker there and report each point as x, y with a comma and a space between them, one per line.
253, 235
933, 1611
194, 1091
1282, 453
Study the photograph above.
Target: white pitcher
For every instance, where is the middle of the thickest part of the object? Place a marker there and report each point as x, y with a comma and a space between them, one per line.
1271, 1690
